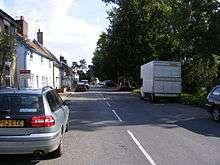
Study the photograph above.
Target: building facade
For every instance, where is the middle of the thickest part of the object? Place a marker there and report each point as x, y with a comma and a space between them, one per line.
9, 26
36, 65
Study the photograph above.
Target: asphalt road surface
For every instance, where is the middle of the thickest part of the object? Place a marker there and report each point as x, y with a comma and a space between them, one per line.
116, 128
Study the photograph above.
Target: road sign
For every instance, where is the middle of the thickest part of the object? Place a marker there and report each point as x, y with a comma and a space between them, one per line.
25, 74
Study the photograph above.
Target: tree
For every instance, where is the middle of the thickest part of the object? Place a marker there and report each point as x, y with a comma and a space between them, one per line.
145, 30
83, 64
7, 51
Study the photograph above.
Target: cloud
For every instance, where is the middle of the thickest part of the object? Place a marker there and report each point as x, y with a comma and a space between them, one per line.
63, 34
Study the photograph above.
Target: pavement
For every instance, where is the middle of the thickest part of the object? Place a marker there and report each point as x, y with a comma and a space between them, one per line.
117, 128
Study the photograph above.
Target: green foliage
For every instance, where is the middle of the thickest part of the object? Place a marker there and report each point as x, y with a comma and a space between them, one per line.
7, 50
198, 99
136, 91
145, 30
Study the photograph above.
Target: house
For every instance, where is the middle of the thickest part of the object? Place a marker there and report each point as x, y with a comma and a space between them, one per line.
36, 65
67, 75
8, 25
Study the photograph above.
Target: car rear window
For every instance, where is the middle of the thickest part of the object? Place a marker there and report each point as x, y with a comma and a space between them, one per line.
20, 104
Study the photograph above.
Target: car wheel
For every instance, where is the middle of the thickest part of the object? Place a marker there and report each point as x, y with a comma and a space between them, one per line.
216, 114
59, 151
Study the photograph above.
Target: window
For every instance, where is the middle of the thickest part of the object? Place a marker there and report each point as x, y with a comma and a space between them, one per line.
216, 92
51, 101
21, 104
42, 59
50, 64
54, 101
37, 80
6, 28
43, 81
31, 57
58, 99
46, 81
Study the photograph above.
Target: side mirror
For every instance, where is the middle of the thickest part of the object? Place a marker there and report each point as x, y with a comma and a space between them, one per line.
64, 103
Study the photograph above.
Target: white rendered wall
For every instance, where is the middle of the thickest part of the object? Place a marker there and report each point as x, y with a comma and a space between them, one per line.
41, 71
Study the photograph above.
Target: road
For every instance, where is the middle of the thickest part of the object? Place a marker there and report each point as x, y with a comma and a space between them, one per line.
117, 128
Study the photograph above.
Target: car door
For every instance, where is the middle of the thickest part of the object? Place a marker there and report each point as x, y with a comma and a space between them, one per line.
63, 106
56, 109
214, 97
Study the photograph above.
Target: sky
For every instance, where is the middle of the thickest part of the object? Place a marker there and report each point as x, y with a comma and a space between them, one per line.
71, 27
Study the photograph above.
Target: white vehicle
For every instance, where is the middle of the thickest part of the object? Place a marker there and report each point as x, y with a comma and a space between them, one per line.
161, 79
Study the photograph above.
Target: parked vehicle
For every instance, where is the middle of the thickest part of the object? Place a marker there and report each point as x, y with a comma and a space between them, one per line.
81, 87
86, 82
109, 83
32, 121
161, 79
213, 105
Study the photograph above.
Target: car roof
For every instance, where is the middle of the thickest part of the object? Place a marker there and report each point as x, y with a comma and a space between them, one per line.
21, 91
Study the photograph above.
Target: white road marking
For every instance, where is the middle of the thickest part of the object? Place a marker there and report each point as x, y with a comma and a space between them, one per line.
117, 115
141, 148
108, 103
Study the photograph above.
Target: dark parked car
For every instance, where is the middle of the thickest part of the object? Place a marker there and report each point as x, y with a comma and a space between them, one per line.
213, 105
32, 121
86, 82
81, 87
109, 83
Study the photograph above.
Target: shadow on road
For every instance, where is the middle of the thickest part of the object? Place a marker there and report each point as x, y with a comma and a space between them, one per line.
23, 159
17, 160
90, 114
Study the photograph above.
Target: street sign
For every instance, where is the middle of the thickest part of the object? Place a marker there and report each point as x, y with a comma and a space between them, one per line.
22, 72
25, 74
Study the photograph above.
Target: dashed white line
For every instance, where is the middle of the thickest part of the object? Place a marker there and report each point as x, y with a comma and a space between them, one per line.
117, 115
141, 148
108, 103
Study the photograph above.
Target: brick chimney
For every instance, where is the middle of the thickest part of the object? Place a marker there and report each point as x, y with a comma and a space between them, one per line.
23, 30
61, 58
40, 37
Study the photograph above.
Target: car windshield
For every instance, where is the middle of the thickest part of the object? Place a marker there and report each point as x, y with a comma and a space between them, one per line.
20, 104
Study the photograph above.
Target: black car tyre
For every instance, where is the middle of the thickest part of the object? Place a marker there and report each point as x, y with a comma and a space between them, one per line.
216, 114
59, 151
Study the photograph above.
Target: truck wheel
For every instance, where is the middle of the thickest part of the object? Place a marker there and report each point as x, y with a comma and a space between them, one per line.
153, 98
216, 114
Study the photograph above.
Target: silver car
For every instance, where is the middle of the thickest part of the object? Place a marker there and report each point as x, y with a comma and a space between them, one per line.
32, 122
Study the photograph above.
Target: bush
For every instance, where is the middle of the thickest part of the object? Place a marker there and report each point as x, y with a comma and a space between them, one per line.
136, 91
198, 99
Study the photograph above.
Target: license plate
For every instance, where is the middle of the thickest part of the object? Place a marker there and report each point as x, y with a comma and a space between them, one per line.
11, 123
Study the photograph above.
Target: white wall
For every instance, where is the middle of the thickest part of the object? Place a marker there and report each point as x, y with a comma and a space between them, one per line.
57, 78
41, 69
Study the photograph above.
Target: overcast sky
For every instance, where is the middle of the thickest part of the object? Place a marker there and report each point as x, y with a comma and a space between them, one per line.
71, 27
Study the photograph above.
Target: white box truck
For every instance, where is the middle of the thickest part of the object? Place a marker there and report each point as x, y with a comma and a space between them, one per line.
161, 79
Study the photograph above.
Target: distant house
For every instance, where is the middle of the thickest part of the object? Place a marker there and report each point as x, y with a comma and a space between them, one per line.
36, 65
8, 25
67, 75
